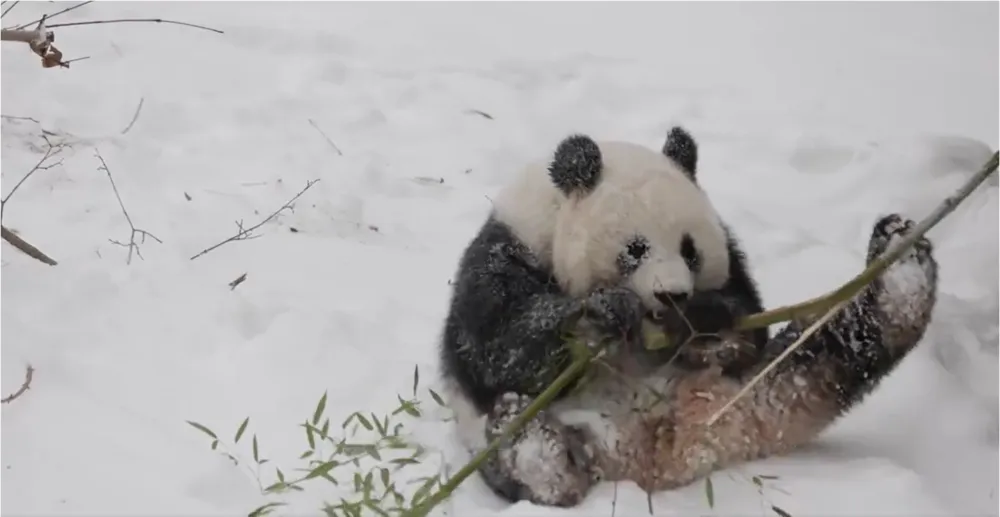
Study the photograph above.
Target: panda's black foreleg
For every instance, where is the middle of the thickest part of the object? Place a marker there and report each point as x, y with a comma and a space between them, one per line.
696, 323
696, 326
546, 462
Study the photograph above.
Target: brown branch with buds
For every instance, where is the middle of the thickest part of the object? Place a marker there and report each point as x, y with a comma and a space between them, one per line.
29, 374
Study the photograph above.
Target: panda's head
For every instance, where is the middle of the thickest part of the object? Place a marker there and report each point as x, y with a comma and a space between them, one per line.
628, 215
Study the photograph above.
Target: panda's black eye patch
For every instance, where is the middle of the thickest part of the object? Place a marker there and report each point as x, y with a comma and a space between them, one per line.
632, 256
690, 254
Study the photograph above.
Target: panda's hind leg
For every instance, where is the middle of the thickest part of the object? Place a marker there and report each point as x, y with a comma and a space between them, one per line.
546, 462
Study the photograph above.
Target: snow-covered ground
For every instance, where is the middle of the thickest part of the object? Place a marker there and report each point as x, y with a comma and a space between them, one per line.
812, 119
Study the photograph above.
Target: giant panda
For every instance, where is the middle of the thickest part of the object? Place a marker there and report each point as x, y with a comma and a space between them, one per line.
624, 236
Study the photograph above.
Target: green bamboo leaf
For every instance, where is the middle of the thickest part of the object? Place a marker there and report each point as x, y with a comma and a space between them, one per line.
215, 444
378, 426
384, 474
416, 379
423, 491
281, 475
374, 507
265, 509
202, 428
709, 492
325, 431
364, 421
309, 436
329, 478
347, 421
256, 457
322, 469
763, 476
437, 398
239, 432
319, 409
305, 455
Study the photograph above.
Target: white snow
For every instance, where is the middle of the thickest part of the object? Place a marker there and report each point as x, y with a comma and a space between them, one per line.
812, 119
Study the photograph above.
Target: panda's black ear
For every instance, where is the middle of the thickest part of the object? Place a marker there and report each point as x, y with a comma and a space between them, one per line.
682, 149
577, 164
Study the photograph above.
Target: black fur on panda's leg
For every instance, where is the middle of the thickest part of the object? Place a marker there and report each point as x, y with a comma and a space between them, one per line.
546, 462
707, 313
865, 342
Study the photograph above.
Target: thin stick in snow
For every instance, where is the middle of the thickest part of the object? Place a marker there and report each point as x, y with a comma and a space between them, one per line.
23, 245
135, 116
243, 234
131, 244
29, 374
876, 268
328, 140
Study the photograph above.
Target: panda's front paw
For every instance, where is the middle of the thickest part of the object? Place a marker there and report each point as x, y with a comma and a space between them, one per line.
615, 311
703, 329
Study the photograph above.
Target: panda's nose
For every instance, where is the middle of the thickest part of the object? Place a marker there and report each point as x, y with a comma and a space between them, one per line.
670, 298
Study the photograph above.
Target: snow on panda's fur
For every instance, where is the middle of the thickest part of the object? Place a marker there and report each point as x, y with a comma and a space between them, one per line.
623, 233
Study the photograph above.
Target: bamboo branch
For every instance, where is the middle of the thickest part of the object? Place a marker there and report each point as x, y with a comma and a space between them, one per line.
842, 296
819, 305
831, 302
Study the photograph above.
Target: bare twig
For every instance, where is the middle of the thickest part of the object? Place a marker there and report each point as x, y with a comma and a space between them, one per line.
29, 250
11, 117
53, 15
328, 140
131, 245
135, 116
7, 10
481, 114
137, 20
243, 234
51, 151
843, 296
29, 374
239, 280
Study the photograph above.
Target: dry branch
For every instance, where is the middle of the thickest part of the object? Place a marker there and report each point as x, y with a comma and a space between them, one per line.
131, 245
53, 15
29, 374
582, 357
51, 151
137, 20
135, 116
7, 10
328, 139
243, 234
29, 250
39, 41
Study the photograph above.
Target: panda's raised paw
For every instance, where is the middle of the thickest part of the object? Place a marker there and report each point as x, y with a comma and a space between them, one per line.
894, 227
